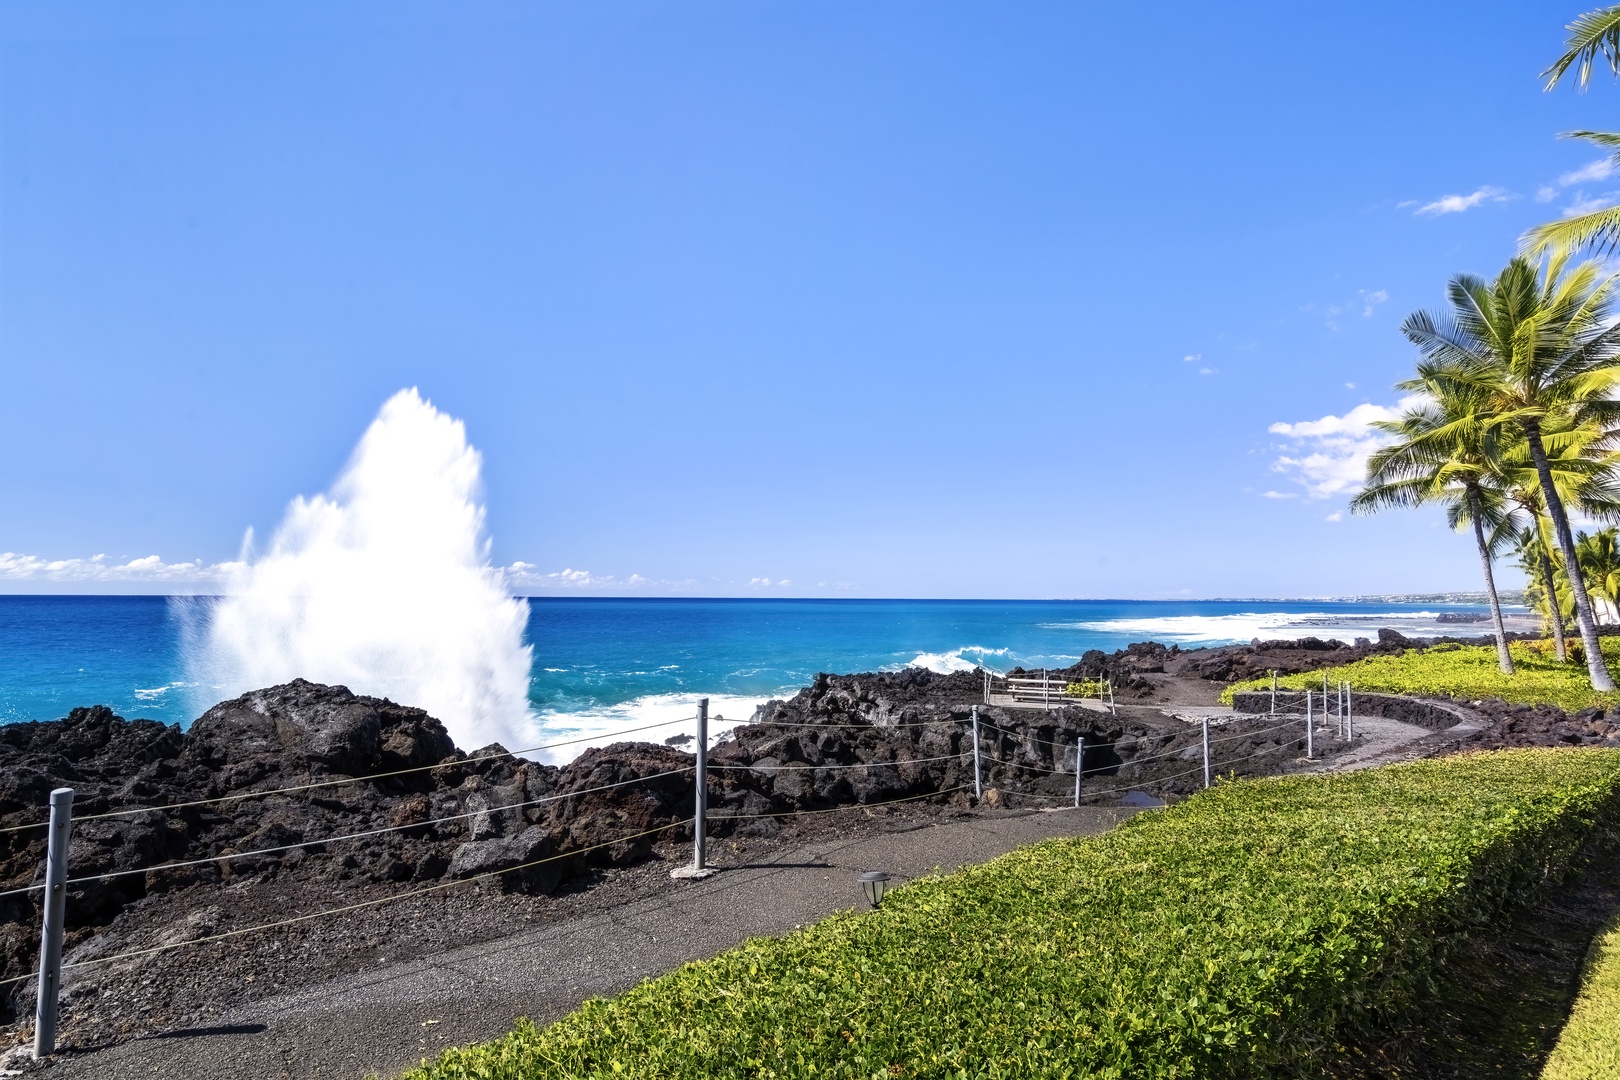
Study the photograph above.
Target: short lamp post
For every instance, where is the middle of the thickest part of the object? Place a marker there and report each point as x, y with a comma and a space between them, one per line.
874, 883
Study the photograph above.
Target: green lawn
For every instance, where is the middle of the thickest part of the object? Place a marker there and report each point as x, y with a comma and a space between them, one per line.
1253, 926
1467, 672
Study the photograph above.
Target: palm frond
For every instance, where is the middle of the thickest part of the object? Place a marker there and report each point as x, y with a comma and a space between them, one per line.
1594, 34
1598, 231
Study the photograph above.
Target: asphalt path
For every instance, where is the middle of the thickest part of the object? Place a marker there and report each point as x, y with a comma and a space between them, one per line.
388, 1019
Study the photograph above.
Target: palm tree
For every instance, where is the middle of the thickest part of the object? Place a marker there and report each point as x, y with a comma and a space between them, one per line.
1586, 479
1443, 453
1544, 352
1595, 34
1536, 560
1599, 556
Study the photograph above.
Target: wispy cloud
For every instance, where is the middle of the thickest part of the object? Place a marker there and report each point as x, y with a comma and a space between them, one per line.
1328, 457
1586, 204
1279, 494
103, 569
1366, 302
1601, 169
1192, 358
1456, 204
1593, 172
522, 576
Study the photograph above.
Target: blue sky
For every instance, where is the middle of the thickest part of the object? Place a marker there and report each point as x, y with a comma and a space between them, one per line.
893, 299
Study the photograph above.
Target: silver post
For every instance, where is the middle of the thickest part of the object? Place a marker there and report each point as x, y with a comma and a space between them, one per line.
700, 807
1206, 751
1079, 768
1310, 727
978, 788
1111, 706
1046, 689
1349, 713
50, 938
1274, 695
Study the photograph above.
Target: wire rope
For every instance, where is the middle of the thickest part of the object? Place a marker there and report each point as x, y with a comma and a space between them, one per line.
237, 796
373, 832
349, 907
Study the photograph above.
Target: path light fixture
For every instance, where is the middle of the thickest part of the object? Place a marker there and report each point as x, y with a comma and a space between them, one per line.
874, 883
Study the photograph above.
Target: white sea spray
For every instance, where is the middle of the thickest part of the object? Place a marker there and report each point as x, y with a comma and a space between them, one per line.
383, 585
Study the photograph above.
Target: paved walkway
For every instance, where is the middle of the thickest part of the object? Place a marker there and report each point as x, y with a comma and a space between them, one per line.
386, 1020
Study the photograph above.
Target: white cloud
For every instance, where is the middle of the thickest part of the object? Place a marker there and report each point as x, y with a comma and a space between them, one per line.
522, 576
1349, 386
1206, 371
102, 569
1337, 515
1371, 300
1328, 457
1279, 495
1456, 204
1546, 194
1585, 204
1192, 358
1601, 169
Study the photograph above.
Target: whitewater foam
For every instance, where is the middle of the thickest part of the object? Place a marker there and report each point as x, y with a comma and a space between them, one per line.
958, 659
675, 713
382, 585
1245, 626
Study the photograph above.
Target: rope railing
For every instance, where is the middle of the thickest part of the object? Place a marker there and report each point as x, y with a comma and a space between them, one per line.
375, 902
772, 769
56, 878
239, 795
425, 823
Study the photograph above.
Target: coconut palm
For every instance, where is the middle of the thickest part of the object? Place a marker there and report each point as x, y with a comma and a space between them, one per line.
1542, 590
1591, 36
1444, 453
1599, 555
1586, 478
1543, 351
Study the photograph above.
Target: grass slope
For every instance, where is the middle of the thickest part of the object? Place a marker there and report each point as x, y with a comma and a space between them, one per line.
1468, 672
1256, 925
1589, 1047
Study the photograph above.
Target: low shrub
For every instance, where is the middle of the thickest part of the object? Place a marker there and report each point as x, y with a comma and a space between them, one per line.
1248, 929
1465, 672
1589, 1046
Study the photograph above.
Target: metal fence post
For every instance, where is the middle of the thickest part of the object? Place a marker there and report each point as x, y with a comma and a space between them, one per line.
1349, 713
1274, 695
978, 788
1112, 709
700, 808
1206, 751
50, 938
1310, 727
1079, 768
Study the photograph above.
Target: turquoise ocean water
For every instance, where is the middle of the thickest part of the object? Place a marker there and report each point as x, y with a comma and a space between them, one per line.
605, 663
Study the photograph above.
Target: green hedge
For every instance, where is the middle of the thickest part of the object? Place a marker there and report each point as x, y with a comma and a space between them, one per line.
1251, 927
1466, 672
1589, 1046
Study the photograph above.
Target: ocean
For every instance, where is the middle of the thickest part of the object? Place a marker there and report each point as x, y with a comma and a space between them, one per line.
605, 664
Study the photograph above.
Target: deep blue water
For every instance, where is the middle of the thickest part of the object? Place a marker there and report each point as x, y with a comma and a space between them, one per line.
607, 662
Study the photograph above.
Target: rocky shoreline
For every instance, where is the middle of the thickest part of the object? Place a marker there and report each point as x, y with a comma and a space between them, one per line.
893, 746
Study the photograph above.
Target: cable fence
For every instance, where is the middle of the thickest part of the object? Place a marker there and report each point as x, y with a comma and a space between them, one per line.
973, 756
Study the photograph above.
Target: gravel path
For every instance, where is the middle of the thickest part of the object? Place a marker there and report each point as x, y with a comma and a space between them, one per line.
389, 1018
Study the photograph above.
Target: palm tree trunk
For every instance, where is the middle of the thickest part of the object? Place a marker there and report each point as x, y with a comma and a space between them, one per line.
1549, 582
1566, 543
1503, 657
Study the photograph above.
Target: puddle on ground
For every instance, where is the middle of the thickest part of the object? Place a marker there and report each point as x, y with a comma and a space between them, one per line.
1139, 798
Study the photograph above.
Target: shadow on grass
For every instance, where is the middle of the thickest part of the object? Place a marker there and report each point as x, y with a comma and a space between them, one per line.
1503, 997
